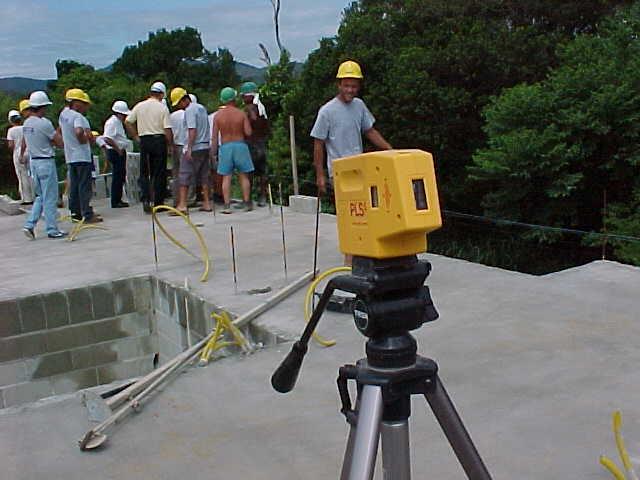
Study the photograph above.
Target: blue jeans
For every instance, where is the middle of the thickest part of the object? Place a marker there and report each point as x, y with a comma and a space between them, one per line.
45, 182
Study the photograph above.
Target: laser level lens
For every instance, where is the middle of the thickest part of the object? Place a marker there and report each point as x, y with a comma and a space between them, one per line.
419, 194
374, 196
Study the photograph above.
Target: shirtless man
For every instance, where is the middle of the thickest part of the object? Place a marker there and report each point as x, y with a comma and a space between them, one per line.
233, 154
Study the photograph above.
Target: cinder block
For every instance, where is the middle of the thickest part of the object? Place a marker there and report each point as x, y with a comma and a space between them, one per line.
168, 347
106, 330
79, 305
32, 315
26, 392
9, 318
69, 338
135, 324
142, 293
9, 349
102, 300
303, 203
52, 364
12, 372
123, 297
136, 347
56, 309
169, 328
94, 355
125, 369
32, 344
73, 381
179, 310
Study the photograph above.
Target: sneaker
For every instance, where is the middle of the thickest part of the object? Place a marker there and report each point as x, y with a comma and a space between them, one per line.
226, 210
262, 202
58, 234
94, 219
146, 207
28, 232
120, 205
248, 206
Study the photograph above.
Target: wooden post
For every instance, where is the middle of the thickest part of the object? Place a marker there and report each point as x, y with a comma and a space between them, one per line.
294, 162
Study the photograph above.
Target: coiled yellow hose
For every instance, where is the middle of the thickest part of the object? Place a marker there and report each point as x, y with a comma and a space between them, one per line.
309, 297
203, 246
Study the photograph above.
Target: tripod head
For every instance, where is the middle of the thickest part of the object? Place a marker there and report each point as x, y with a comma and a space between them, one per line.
391, 300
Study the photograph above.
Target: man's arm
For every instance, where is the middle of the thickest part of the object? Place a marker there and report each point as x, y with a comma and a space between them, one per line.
318, 163
377, 139
247, 127
168, 136
191, 138
215, 134
111, 142
133, 131
57, 139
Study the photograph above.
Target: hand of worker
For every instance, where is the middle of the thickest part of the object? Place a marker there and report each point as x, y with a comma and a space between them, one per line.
187, 155
321, 183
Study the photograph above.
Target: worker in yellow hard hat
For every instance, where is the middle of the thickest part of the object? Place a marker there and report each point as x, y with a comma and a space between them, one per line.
78, 139
341, 122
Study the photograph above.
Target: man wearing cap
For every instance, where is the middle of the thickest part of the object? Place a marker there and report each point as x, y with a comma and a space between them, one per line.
40, 137
233, 126
15, 137
149, 124
77, 137
116, 142
258, 140
341, 122
195, 158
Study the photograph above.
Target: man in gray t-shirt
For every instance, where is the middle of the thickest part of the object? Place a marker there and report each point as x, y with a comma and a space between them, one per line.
341, 122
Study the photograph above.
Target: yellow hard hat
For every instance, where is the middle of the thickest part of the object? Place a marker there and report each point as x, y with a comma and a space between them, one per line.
177, 94
349, 69
23, 105
77, 94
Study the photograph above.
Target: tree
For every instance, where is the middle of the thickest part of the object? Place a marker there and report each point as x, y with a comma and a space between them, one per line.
557, 147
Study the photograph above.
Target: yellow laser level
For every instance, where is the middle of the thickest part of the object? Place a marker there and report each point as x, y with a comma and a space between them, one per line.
386, 203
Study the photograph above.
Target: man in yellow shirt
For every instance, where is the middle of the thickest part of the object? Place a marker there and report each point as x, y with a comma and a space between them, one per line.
149, 124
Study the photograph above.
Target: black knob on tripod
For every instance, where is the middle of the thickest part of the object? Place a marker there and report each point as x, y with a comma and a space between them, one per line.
284, 378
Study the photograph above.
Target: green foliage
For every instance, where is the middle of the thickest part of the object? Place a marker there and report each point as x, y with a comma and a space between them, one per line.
555, 147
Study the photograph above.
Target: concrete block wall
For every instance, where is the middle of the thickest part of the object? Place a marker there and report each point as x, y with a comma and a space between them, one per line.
61, 342
65, 341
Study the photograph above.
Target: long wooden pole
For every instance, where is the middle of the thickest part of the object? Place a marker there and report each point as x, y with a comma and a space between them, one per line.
294, 162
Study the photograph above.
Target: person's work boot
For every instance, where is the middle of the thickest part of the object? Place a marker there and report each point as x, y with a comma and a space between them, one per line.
146, 207
28, 232
120, 205
262, 201
248, 206
94, 219
58, 234
227, 209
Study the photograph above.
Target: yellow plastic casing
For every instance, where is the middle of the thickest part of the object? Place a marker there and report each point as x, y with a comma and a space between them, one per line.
380, 206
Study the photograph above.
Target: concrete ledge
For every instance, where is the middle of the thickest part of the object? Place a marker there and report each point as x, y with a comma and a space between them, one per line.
303, 203
9, 206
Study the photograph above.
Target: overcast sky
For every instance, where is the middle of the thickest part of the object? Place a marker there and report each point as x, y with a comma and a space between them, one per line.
35, 33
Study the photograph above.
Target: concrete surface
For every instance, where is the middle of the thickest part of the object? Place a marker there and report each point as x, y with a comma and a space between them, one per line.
535, 365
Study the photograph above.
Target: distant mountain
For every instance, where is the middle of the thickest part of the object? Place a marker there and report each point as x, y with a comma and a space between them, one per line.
21, 85
257, 74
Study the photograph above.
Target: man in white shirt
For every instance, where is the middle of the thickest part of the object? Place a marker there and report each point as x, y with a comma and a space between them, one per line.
77, 137
116, 141
149, 124
40, 137
14, 135
179, 139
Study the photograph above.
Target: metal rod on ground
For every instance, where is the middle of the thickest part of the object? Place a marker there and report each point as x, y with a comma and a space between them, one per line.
284, 243
186, 310
95, 437
233, 260
315, 246
294, 162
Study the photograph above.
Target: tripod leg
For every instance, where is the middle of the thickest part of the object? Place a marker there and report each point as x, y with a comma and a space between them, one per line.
456, 432
348, 454
396, 461
367, 434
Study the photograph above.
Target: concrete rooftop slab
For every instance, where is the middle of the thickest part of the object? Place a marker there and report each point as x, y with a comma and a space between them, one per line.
535, 365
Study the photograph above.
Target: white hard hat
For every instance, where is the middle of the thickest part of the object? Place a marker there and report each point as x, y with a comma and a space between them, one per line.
39, 99
159, 87
12, 114
120, 106
193, 98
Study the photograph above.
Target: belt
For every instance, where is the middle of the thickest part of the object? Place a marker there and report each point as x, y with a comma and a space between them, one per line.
41, 158
153, 135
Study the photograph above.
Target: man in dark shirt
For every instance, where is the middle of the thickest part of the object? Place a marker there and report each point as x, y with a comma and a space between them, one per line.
258, 140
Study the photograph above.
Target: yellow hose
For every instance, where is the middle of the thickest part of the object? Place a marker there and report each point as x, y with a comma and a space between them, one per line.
612, 467
223, 324
622, 450
172, 239
309, 297
79, 226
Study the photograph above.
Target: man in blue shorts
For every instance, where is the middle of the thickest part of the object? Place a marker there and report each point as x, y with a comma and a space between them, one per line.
233, 154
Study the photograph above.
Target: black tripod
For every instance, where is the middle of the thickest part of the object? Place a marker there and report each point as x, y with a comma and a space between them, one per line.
391, 300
